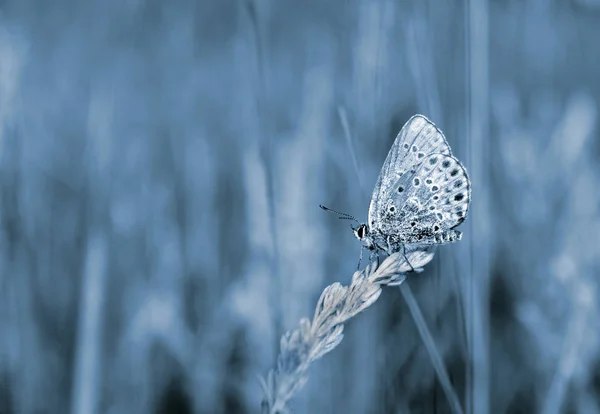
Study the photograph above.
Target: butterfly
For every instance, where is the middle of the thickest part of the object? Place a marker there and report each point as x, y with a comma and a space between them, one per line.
421, 195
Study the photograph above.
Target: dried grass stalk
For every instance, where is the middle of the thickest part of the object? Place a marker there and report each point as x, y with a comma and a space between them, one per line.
315, 338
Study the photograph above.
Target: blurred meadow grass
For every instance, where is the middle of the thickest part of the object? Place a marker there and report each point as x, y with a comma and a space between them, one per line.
161, 167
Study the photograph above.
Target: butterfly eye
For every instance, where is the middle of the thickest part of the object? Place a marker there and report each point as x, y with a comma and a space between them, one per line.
360, 232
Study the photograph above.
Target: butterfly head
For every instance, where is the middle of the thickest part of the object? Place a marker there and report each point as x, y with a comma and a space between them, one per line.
362, 233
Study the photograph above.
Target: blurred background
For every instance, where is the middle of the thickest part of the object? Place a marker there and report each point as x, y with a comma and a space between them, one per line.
161, 167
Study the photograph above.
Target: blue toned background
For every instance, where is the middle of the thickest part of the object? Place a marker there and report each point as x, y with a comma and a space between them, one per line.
161, 167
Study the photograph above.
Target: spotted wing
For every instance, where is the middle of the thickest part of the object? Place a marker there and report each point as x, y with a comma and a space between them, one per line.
418, 138
427, 202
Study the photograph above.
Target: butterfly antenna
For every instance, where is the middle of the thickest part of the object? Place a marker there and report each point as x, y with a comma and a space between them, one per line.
343, 216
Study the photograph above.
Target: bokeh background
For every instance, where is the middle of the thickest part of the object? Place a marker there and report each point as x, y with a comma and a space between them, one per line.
161, 167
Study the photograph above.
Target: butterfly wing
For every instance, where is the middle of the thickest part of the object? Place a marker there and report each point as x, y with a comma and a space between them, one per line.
427, 202
418, 138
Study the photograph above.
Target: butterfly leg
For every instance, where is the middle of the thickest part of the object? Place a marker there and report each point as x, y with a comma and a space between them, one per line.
360, 257
412, 269
389, 245
374, 254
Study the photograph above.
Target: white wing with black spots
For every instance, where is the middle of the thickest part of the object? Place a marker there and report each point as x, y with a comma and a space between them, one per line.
426, 202
417, 139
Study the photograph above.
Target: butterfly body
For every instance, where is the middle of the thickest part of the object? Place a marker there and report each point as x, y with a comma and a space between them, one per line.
392, 243
422, 193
